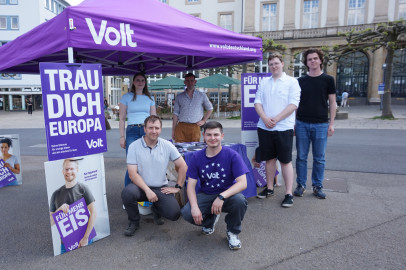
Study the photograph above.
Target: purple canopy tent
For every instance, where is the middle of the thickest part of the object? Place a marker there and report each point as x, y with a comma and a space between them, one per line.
127, 36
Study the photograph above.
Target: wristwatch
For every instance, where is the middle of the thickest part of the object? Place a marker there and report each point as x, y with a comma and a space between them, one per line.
220, 197
177, 186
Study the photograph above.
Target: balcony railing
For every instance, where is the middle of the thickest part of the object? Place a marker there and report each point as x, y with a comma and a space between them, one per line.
331, 31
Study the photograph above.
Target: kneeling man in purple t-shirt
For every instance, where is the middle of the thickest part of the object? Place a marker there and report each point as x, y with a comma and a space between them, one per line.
222, 175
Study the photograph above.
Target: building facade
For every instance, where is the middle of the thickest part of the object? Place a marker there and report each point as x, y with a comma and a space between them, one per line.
16, 18
302, 24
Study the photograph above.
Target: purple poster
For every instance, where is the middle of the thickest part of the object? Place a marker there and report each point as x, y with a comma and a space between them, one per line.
6, 175
73, 109
249, 85
260, 174
73, 224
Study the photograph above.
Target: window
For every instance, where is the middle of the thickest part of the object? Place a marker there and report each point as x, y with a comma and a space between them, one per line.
4, 76
214, 97
402, 10
160, 98
311, 14
9, 23
399, 74
3, 22
352, 74
8, 2
299, 69
224, 97
356, 12
269, 17
15, 25
262, 67
226, 21
192, 2
54, 6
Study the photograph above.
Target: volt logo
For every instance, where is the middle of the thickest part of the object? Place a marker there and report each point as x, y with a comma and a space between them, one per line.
213, 175
94, 144
112, 35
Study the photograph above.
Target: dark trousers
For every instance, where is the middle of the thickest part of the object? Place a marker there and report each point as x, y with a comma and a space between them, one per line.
235, 207
166, 206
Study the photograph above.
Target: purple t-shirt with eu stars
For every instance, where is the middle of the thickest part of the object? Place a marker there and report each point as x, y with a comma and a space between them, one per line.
218, 173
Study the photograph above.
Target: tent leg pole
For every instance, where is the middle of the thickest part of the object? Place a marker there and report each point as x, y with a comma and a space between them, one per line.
70, 55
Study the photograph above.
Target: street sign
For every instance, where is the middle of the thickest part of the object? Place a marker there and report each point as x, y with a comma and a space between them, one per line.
381, 88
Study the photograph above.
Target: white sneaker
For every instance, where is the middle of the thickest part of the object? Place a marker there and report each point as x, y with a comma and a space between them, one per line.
233, 241
208, 231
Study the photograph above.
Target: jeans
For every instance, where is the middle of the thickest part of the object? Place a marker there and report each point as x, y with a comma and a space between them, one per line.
316, 134
166, 206
235, 207
132, 133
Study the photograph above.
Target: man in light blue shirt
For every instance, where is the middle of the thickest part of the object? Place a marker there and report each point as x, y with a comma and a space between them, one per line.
275, 102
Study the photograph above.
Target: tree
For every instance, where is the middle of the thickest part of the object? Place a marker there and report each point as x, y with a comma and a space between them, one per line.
391, 36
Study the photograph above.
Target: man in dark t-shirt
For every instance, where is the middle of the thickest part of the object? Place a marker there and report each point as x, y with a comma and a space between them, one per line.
317, 99
70, 193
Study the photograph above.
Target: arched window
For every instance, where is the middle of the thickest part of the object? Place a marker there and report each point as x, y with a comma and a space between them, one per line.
352, 74
399, 74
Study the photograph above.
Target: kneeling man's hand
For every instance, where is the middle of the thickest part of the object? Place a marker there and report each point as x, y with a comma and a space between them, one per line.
197, 215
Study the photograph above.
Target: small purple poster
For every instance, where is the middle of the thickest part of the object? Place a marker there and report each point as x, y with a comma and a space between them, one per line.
260, 174
73, 109
249, 85
6, 175
72, 225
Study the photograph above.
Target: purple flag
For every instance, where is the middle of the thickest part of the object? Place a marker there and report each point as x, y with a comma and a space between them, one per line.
72, 226
6, 175
73, 109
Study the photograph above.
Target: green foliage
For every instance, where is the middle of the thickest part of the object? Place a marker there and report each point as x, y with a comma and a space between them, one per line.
271, 45
234, 118
384, 118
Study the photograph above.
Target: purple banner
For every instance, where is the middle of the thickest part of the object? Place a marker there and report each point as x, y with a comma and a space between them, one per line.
6, 175
72, 225
73, 109
249, 86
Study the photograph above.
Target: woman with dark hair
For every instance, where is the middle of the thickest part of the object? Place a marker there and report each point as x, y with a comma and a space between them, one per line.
10, 161
136, 105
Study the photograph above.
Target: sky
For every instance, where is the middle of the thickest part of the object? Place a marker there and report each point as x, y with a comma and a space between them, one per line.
74, 2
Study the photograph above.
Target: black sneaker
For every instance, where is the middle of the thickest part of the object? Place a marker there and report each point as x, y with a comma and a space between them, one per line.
132, 227
299, 191
288, 201
158, 220
318, 192
265, 193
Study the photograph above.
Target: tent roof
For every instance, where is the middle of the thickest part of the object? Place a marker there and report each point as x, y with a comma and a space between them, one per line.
128, 36
169, 82
217, 80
